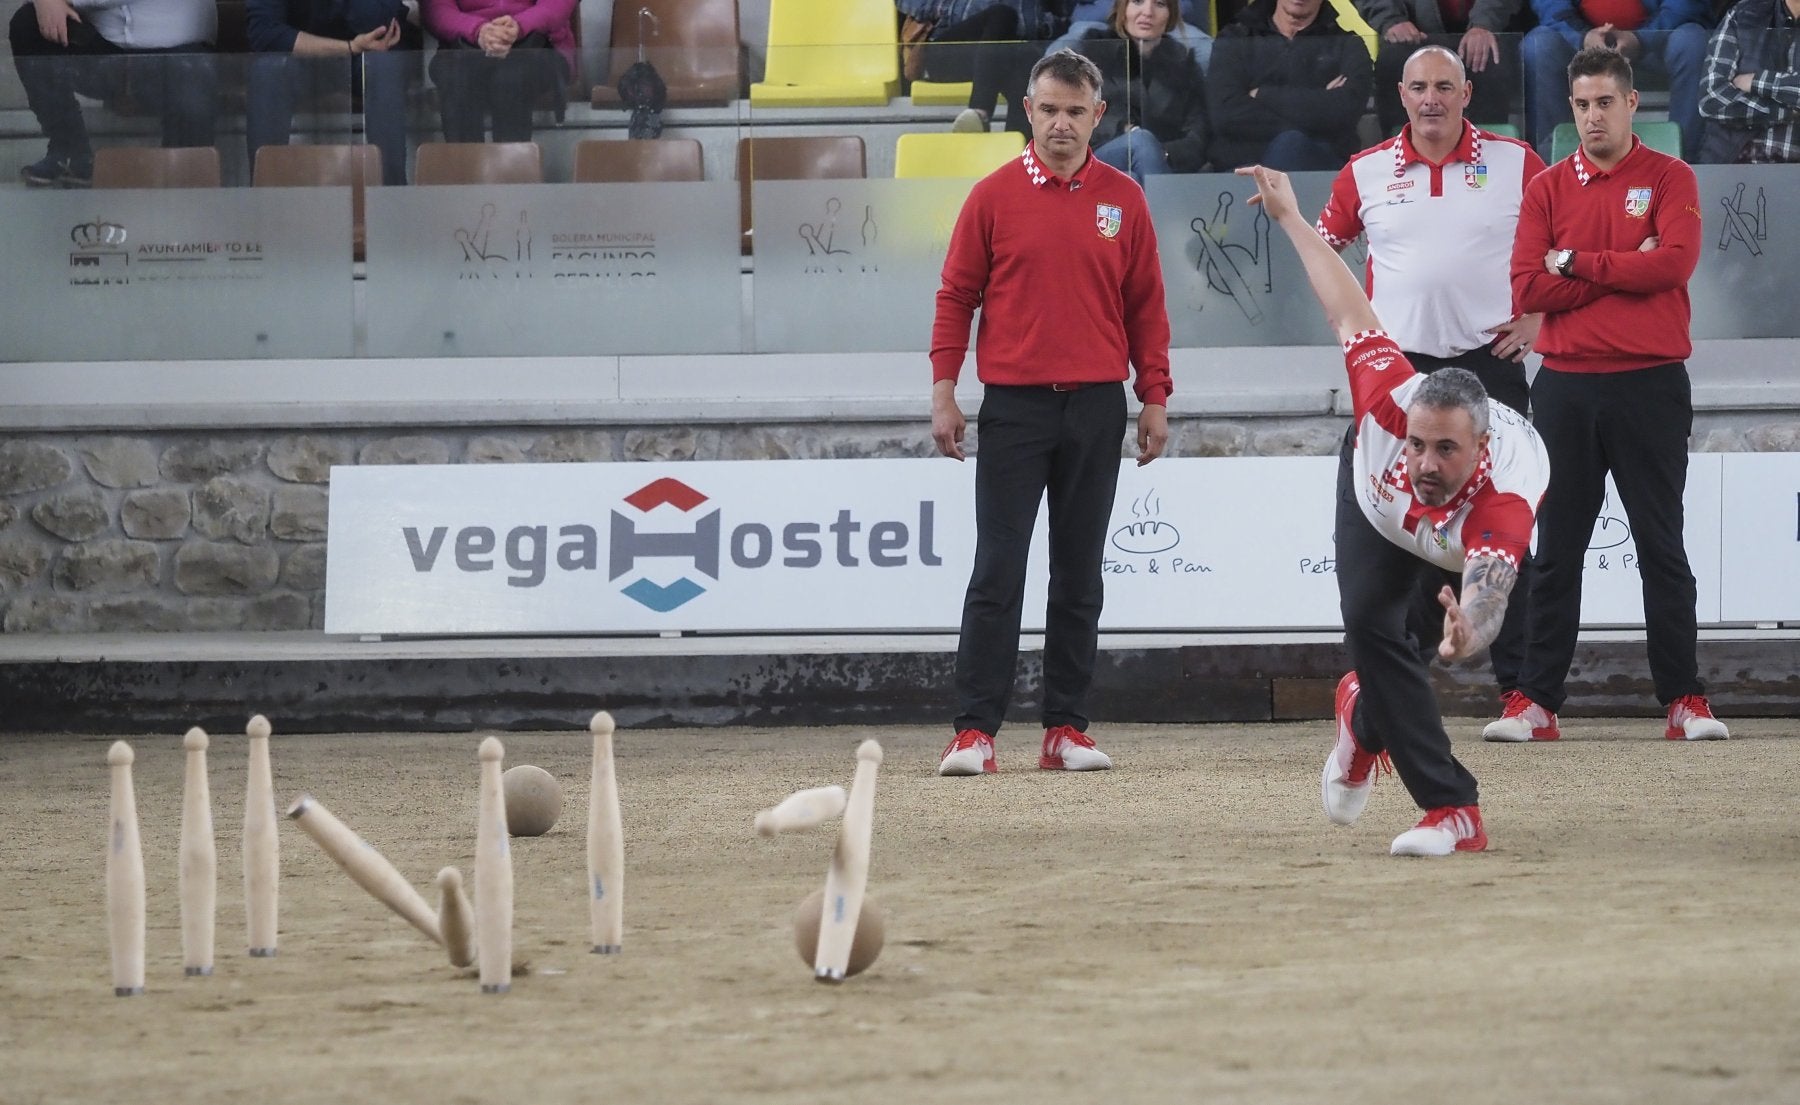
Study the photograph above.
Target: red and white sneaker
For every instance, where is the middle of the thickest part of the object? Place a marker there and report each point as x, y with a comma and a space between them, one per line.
970, 752
1442, 831
1349, 771
1521, 720
1067, 748
1691, 719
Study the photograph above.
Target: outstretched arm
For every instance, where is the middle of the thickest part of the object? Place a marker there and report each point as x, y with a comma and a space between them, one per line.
1346, 307
1472, 624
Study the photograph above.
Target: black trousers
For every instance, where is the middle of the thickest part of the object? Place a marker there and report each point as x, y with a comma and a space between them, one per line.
1397, 711
1505, 381
1635, 425
181, 83
471, 86
1034, 441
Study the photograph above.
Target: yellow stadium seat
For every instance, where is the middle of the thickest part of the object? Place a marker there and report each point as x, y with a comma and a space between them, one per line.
941, 93
830, 53
1351, 20
918, 156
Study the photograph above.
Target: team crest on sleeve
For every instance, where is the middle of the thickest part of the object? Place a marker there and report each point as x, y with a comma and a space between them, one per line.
1108, 218
1637, 202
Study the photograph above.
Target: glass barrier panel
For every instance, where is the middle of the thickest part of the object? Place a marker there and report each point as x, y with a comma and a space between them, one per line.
553, 270
850, 264
1749, 255
177, 274
1228, 272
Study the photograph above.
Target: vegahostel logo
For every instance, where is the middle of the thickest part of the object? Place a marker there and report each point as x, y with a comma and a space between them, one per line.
640, 545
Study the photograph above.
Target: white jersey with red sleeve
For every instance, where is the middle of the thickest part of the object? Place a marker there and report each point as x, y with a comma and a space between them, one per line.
1440, 235
1490, 515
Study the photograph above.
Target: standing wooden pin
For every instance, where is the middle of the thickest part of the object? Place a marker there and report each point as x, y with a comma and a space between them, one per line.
849, 873
124, 878
262, 850
493, 876
199, 862
605, 845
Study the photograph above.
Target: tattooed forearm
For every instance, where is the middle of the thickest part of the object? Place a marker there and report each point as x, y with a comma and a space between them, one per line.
1487, 584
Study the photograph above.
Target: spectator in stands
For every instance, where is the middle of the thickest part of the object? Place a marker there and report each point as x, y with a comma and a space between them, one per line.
498, 57
990, 43
158, 51
1089, 16
1750, 97
378, 38
1154, 91
1472, 28
1666, 37
1286, 88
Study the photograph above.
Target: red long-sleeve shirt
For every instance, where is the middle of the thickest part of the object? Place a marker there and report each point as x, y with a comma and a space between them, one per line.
1623, 308
1067, 278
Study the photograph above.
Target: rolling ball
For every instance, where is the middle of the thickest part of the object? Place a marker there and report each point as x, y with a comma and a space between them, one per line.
871, 932
533, 800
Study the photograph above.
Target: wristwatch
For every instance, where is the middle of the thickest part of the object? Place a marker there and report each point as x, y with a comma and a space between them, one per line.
1565, 261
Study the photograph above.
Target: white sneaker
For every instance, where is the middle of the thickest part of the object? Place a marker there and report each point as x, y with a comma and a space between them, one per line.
1691, 719
1443, 831
1350, 772
1521, 720
969, 121
1067, 748
970, 752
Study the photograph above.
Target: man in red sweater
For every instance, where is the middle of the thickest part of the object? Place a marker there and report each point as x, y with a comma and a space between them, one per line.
1058, 252
1607, 240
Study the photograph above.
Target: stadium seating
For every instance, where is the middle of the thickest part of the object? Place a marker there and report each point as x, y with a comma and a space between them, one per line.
826, 157
604, 161
919, 156
692, 44
479, 163
155, 167
354, 167
830, 53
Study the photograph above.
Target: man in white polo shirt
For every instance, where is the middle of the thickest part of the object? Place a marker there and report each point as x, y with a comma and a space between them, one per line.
1432, 470
1440, 203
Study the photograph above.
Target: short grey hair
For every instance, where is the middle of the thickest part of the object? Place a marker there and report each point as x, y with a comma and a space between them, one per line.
1450, 388
1068, 67
1462, 71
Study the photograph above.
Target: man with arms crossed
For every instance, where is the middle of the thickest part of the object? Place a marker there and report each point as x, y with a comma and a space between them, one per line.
1608, 238
1057, 250
1434, 470
1439, 203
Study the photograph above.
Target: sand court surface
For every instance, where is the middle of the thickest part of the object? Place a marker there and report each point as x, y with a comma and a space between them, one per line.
1187, 927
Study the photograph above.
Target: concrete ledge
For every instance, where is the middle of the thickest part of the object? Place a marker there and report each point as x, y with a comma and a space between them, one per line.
311, 683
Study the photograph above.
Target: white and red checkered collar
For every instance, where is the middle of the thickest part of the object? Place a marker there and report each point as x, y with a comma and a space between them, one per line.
1044, 178
1439, 516
1468, 149
1585, 173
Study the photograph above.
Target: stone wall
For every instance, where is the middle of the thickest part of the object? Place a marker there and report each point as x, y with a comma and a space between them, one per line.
213, 531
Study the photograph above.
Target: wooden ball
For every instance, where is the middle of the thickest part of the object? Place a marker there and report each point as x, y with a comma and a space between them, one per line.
871, 932
533, 800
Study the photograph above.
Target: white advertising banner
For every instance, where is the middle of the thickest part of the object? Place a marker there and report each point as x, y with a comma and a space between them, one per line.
871, 545
1760, 539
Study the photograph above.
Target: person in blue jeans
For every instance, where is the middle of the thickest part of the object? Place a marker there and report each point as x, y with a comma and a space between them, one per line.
294, 41
1665, 37
1154, 91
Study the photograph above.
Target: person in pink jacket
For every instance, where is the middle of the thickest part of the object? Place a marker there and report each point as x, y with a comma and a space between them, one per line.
498, 57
